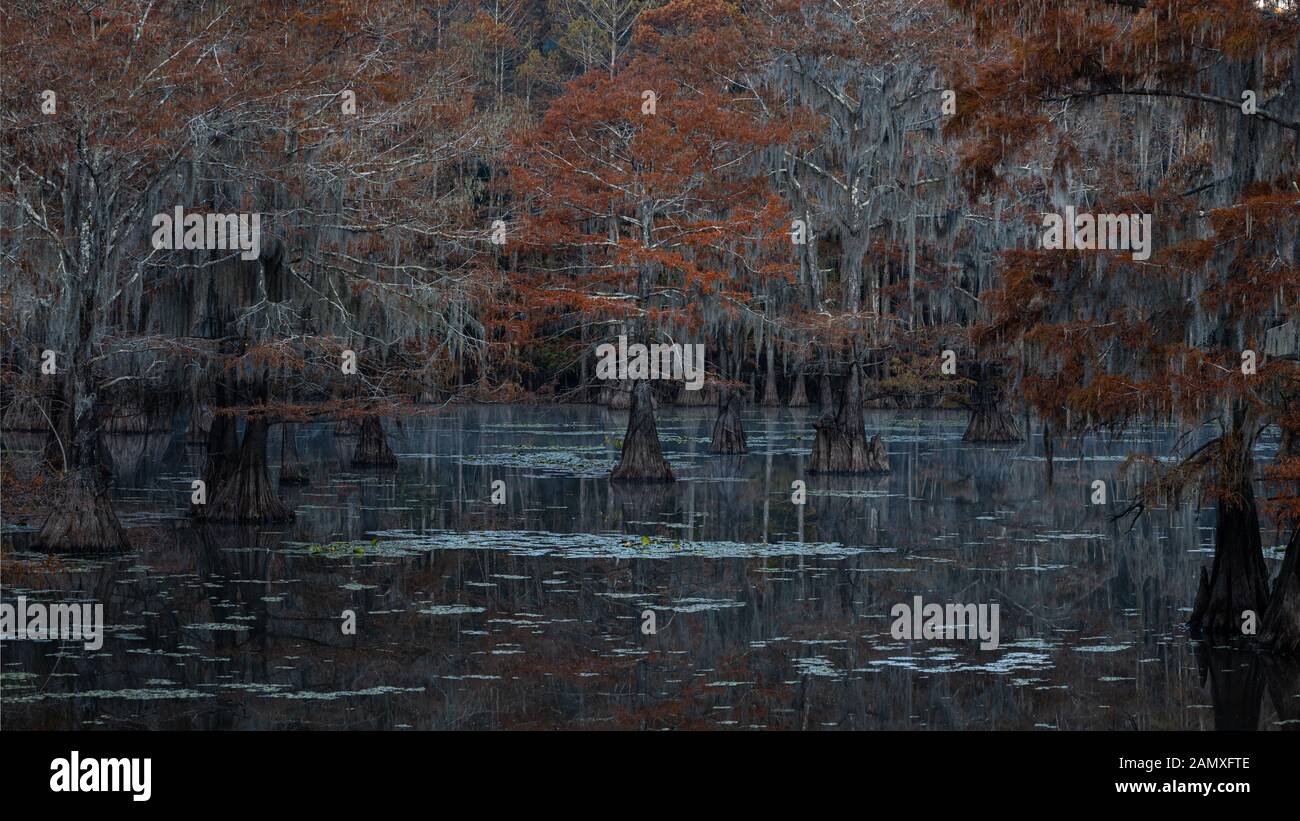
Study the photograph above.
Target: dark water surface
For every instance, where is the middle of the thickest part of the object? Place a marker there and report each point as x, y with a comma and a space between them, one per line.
529, 614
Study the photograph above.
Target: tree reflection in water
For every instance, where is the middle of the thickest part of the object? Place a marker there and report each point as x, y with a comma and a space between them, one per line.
528, 614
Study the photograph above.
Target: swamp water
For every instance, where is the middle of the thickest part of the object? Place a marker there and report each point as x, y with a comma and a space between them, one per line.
529, 614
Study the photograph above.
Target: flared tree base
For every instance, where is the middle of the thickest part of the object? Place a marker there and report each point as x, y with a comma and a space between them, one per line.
836, 451
1281, 626
372, 446
728, 432
992, 425
246, 496
82, 521
841, 445
642, 459
1238, 580
799, 393
292, 470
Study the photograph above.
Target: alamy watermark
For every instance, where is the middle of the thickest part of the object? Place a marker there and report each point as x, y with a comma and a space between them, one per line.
77, 774
946, 621
39, 621
1098, 232
208, 232
657, 361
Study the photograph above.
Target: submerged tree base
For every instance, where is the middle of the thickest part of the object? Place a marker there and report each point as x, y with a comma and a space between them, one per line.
728, 432
990, 421
247, 496
1281, 622
842, 445
372, 446
83, 521
292, 470
837, 451
799, 393
642, 459
1238, 580
992, 425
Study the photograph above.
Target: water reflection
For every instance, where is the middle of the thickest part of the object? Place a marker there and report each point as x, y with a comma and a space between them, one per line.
529, 614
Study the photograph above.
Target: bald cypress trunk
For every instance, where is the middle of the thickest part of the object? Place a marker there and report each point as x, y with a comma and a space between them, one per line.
771, 399
620, 397
1048, 448
292, 471
990, 419
83, 520
1280, 628
842, 445
728, 433
372, 445
223, 450
196, 432
642, 458
799, 393
247, 495
1238, 579
825, 395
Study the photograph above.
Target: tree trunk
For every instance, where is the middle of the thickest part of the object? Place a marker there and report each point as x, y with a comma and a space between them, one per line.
1281, 623
825, 395
246, 495
771, 399
372, 446
292, 470
990, 420
200, 423
620, 396
1048, 448
841, 445
799, 393
728, 433
1238, 580
642, 458
83, 521
708, 395
223, 450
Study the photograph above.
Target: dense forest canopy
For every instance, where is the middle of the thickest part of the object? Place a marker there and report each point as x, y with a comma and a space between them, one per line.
843, 202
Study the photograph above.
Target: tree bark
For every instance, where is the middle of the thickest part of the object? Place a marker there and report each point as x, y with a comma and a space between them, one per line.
246, 495
708, 395
200, 423
223, 450
83, 521
1048, 448
728, 433
841, 445
825, 394
990, 420
771, 398
642, 458
292, 470
799, 393
1238, 580
1280, 627
620, 396
372, 446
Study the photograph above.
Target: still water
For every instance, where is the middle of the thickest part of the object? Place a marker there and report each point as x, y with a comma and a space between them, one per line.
530, 614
